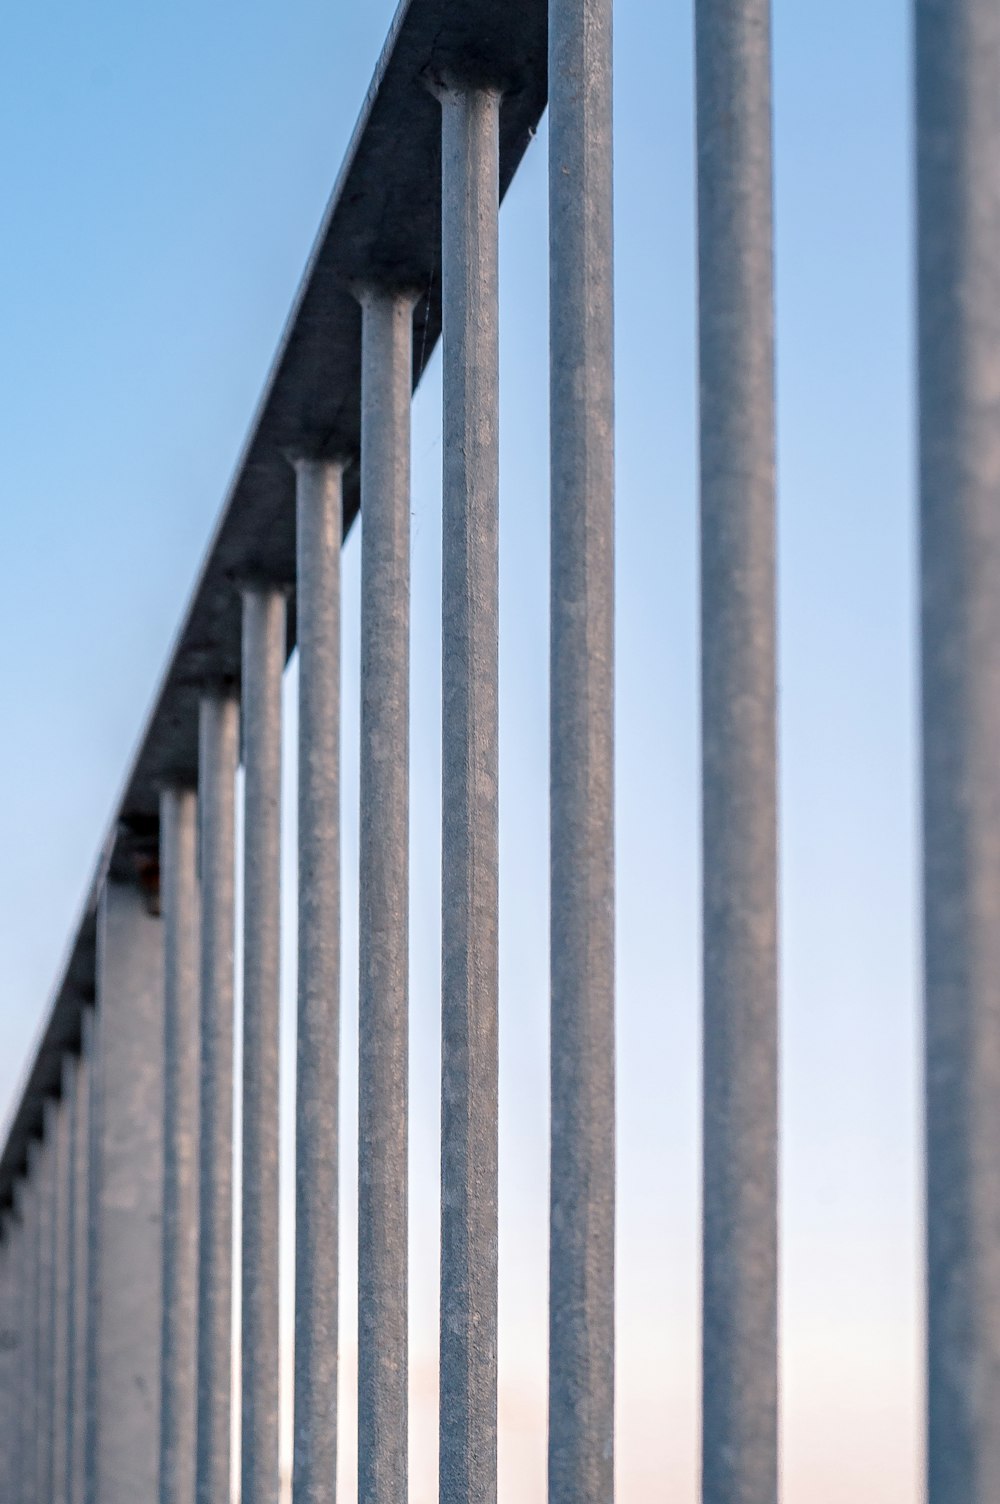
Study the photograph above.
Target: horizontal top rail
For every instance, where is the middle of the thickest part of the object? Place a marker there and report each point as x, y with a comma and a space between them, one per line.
383, 227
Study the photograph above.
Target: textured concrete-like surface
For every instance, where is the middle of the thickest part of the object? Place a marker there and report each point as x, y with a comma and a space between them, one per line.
28, 1378
45, 1351
92, 1272
178, 1372
126, 1270
739, 813
469, 845
319, 502
62, 1228
958, 192
217, 758
263, 664
384, 897
11, 1352
76, 1358
581, 1284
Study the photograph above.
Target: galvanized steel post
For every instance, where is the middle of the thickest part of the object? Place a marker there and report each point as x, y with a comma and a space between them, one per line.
218, 756
263, 665
27, 1269
126, 1265
76, 1357
387, 374
739, 794
958, 201
470, 849
61, 1258
179, 901
10, 1345
22, 1221
25, 1417
581, 1282
45, 1304
319, 527
93, 1266
28, 1403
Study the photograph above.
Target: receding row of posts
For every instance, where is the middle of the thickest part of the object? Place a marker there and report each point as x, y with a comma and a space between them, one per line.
146, 1341
116, 1268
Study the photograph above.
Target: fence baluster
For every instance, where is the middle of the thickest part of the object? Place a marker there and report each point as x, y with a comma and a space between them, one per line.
739, 819
320, 523
263, 665
76, 1358
61, 1256
27, 1397
179, 899
45, 1303
384, 896
958, 281
126, 1259
10, 1351
469, 853
581, 1285
218, 755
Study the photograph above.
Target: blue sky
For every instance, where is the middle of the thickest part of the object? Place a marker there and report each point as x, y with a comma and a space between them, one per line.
164, 170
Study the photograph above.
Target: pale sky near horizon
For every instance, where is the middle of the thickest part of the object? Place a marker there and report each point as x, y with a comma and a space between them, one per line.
164, 170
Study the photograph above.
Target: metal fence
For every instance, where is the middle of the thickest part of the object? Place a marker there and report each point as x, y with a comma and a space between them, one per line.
116, 1185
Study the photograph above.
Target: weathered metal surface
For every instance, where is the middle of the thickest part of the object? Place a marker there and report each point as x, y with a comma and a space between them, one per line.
62, 1228
581, 1284
11, 1353
26, 1206
92, 1313
470, 807
263, 663
127, 1252
218, 755
384, 897
45, 1325
383, 221
739, 780
958, 193
319, 502
79, 1197
178, 1371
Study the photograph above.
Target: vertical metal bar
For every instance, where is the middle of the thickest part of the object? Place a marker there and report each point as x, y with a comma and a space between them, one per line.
10, 1334
470, 195
958, 192
739, 814
62, 1253
48, 1164
126, 1263
92, 1272
263, 665
74, 1074
25, 1378
29, 1372
76, 1360
218, 755
320, 524
387, 371
19, 1349
22, 1386
582, 1194
179, 903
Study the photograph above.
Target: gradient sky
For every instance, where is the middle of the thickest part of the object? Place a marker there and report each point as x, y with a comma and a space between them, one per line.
164, 169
